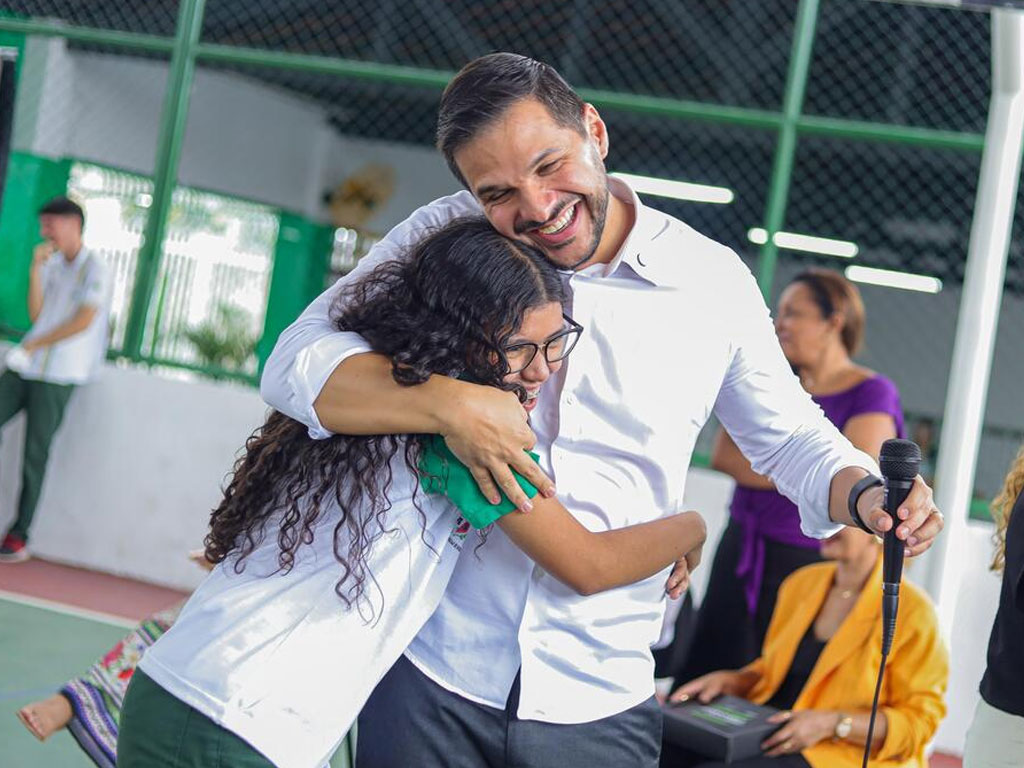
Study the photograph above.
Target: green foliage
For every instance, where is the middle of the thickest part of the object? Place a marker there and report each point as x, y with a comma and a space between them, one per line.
224, 340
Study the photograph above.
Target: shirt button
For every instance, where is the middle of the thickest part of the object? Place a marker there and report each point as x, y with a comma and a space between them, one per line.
570, 400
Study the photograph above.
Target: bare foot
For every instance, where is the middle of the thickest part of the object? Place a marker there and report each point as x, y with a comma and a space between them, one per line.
44, 718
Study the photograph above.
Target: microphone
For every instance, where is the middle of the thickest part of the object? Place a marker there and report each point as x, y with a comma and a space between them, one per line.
899, 461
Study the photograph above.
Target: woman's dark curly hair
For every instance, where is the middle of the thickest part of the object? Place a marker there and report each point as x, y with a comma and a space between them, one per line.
449, 308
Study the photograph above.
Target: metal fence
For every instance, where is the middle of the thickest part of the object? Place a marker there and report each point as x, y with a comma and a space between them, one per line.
851, 120
211, 295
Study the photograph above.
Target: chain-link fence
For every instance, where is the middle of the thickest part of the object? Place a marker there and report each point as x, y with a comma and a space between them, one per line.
226, 209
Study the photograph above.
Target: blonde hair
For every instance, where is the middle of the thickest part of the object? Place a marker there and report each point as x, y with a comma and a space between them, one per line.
1002, 505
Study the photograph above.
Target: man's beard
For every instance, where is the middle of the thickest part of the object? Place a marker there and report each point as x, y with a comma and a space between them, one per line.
598, 207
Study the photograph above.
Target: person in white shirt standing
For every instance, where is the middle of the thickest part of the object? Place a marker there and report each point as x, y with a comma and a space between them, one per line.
513, 669
68, 303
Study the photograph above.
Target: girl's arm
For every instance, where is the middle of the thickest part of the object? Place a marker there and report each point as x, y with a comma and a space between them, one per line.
594, 562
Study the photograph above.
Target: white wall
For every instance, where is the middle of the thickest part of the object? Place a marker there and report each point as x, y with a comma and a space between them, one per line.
134, 472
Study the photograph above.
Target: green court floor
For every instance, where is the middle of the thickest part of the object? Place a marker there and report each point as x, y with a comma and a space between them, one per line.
39, 650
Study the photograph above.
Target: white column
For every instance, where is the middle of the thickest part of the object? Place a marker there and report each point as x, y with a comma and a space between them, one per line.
979, 311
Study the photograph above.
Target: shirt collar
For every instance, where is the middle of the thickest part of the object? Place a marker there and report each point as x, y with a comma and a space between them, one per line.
647, 225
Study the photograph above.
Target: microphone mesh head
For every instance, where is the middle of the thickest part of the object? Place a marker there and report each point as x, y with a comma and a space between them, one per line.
900, 459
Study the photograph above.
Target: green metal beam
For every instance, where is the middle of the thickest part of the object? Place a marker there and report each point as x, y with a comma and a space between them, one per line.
300, 62
785, 150
129, 40
627, 102
169, 141
681, 109
892, 134
437, 79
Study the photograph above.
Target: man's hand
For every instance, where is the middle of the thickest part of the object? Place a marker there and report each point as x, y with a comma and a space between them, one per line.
922, 520
802, 729
487, 430
42, 253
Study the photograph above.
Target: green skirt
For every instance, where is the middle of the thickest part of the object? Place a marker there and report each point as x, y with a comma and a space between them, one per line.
161, 731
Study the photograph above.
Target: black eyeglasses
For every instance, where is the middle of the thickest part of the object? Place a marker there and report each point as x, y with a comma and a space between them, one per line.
558, 347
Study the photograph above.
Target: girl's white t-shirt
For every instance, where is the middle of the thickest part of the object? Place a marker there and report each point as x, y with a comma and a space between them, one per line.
278, 659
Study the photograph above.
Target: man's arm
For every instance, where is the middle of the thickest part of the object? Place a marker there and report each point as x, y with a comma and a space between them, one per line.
308, 351
40, 255
786, 436
82, 319
329, 381
93, 294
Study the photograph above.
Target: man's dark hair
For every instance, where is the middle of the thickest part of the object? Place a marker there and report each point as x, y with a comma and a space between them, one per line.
483, 89
62, 206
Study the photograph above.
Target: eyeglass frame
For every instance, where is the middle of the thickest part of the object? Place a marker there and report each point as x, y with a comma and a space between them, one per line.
574, 327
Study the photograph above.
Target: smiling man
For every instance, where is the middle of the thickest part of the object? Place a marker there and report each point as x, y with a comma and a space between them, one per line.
513, 668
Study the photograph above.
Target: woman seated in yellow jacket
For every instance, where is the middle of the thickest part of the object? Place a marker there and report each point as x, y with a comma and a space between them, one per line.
820, 661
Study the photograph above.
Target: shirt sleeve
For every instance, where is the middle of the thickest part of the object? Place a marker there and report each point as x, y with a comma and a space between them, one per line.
95, 289
775, 423
309, 350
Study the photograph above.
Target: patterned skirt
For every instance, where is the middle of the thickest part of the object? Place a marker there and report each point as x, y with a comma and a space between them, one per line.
96, 697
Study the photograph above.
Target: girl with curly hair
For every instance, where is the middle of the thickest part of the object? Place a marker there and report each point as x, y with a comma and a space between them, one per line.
332, 553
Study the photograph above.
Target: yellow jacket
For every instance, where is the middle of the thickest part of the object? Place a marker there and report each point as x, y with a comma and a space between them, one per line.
844, 677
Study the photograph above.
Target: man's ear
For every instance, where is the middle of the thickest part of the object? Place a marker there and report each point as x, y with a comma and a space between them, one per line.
596, 129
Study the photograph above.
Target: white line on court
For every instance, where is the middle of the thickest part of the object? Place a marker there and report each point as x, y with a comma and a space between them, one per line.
67, 610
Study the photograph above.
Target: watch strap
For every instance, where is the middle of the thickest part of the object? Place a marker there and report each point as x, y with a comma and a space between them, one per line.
855, 493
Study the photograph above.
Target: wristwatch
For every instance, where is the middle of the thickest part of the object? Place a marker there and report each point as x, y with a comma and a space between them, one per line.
843, 727
870, 481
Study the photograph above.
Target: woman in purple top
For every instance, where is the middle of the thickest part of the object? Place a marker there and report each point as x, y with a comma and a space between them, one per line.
820, 324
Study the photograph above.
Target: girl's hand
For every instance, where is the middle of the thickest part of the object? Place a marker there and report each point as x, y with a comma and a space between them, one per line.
679, 580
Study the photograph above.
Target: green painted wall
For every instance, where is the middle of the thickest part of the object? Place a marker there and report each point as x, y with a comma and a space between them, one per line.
31, 181
301, 259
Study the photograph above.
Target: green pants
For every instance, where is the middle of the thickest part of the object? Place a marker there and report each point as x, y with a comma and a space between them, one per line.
44, 405
160, 731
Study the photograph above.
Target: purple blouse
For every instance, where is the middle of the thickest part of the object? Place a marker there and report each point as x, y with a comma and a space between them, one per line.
766, 515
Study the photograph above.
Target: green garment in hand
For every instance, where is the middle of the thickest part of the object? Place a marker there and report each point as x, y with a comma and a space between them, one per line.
441, 472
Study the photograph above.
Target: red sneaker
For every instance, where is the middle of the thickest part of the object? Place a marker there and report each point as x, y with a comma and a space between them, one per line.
13, 549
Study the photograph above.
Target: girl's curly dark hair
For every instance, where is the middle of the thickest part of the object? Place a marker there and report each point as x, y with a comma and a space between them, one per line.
449, 308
